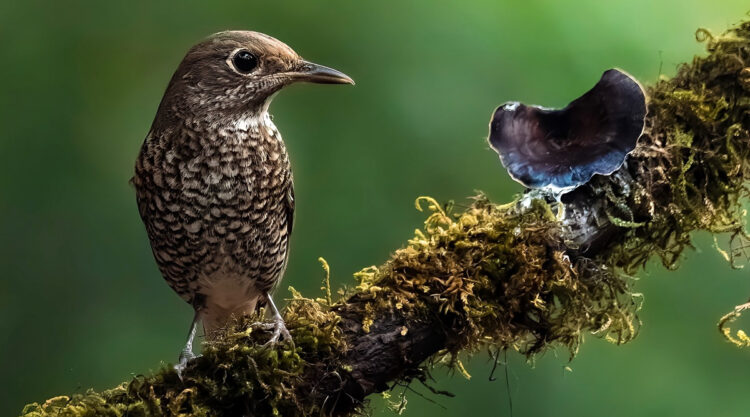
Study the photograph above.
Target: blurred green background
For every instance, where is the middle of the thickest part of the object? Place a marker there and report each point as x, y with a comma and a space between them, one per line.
82, 303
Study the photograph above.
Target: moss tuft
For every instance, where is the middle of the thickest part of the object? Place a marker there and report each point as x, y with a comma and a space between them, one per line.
691, 164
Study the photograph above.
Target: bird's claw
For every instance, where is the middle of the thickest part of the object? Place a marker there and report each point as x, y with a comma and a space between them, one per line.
185, 357
279, 331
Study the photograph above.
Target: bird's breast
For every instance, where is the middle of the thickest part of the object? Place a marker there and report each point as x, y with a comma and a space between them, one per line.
214, 201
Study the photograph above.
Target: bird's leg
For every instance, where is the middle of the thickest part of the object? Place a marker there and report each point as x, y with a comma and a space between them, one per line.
278, 326
187, 352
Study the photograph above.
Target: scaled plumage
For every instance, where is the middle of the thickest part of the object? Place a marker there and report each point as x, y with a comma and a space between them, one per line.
213, 178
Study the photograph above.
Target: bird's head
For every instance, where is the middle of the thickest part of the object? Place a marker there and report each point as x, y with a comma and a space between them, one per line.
236, 73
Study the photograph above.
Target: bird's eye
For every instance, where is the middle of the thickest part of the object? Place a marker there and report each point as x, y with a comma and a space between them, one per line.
244, 61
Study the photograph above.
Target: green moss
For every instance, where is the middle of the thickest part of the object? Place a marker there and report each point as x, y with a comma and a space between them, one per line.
495, 271
499, 276
692, 162
236, 375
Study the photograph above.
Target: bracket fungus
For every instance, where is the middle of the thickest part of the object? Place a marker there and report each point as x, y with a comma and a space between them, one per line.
557, 150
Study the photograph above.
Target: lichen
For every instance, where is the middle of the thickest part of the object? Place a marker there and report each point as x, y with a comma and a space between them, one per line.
498, 277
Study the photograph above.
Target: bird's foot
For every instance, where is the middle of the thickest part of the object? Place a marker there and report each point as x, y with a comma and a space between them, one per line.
186, 356
279, 329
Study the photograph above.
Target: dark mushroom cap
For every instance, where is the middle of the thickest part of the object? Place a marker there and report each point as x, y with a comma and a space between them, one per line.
559, 150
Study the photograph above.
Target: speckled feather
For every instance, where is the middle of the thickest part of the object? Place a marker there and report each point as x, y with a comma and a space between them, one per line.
214, 182
219, 200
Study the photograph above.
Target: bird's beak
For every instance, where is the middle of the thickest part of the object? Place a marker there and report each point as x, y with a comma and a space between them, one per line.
314, 73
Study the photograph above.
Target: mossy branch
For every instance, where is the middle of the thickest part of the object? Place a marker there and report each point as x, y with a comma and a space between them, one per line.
530, 275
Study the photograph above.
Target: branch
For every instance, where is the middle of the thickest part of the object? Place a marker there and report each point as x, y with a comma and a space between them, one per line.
530, 275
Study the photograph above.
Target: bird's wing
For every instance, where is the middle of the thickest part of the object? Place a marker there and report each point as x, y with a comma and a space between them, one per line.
289, 206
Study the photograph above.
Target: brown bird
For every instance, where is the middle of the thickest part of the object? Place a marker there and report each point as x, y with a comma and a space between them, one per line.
213, 179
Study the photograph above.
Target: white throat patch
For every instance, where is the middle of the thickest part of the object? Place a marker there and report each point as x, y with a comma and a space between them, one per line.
246, 123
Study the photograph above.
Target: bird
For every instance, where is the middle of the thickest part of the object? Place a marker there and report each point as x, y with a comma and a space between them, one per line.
213, 179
